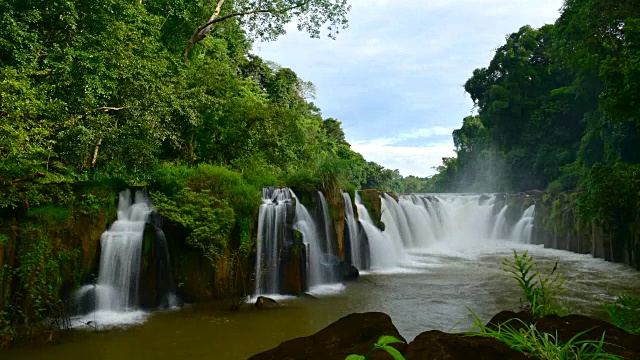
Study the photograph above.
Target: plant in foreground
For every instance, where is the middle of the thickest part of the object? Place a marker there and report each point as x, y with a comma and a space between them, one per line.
541, 293
625, 313
382, 344
528, 339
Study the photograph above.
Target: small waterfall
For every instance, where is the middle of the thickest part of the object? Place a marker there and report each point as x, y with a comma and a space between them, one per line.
500, 227
384, 251
396, 221
114, 299
352, 229
522, 230
272, 218
121, 246
322, 260
329, 245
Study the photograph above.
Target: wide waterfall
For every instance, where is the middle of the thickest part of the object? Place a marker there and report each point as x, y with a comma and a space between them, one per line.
419, 221
409, 225
115, 298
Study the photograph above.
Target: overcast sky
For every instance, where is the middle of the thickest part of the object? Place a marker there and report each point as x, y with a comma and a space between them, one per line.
395, 77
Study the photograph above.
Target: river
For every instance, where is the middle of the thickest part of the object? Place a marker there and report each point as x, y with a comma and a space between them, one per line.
432, 290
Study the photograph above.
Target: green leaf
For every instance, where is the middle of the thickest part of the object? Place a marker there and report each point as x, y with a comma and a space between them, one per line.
355, 357
388, 339
393, 352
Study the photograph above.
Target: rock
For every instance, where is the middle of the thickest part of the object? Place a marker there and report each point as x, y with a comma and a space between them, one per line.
393, 195
618, 341
437, 345
535, 193
483, 199
352, 334
309, 296
264, 302
351, 274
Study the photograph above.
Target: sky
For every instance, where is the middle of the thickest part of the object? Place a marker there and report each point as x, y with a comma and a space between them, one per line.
395, 77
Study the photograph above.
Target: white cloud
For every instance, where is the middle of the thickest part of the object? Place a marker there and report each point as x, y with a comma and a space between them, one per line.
397, 73
410, 160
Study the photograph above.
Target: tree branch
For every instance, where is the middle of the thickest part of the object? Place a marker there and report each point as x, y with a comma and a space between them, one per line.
26, 178
204, 30
102, 108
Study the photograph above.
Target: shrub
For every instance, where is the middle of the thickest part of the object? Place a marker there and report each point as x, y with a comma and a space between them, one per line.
541, 293
625, 313
527, 339
382, 344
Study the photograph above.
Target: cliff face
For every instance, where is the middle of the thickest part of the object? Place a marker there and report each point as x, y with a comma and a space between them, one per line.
558, 226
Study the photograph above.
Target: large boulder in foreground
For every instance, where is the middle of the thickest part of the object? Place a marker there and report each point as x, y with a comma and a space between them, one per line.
618, 341
352, 334
437, 345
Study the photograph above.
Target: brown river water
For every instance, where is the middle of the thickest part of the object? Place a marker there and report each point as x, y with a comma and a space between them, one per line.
433, 291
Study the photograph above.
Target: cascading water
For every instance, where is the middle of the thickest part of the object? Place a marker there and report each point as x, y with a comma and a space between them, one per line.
322, 258
329, 243
524, 227
114, 299
384, 251
500, 227
413, 226
416, 222
352, 227
121, 254
272, 218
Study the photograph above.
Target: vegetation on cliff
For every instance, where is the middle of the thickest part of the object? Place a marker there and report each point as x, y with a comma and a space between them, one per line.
92, 91
557, 110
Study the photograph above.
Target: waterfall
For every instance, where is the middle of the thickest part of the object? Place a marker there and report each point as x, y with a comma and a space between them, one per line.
322, 259
384, 250
412, 224
329, 243
114, 299
121, 248
272, 218
352, 229
395, 221
500, 227
524, 227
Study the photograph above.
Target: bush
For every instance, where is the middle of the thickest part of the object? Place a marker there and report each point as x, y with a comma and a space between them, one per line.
527, 339
625, 313
541, 293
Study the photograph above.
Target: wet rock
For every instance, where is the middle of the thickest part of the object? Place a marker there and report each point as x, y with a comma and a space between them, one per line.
351, 274
483, 199
264, 302
537, 194
437, 345
618, 341
393, 195
352, 334
308, 296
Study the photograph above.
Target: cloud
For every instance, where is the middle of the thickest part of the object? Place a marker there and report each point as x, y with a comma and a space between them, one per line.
395, 77
410, 160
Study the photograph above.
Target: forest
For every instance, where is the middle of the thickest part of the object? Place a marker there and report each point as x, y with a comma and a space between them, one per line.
92, 90
558, 109
168, 96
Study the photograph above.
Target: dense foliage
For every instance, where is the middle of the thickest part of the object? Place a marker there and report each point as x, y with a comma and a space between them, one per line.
99, 89
124, 89
558, 110
556, 106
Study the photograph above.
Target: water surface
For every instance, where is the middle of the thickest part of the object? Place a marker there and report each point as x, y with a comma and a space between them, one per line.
431, 290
